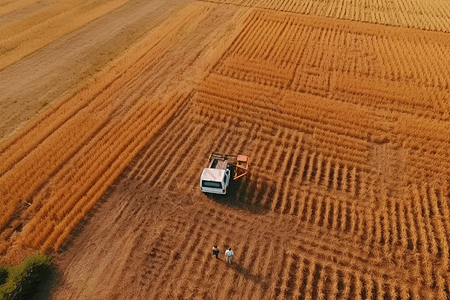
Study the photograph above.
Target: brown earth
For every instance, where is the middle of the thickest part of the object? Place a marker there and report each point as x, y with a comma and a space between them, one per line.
144, 243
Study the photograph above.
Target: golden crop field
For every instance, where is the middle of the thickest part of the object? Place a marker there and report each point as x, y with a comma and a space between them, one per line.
428, 15
343, 110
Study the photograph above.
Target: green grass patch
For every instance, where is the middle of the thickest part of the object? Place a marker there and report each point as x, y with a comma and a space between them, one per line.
22, 281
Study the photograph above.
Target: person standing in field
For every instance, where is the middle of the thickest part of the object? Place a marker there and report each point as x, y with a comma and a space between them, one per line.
215, 251
229, 255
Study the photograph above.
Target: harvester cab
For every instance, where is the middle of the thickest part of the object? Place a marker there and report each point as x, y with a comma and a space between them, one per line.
221, 169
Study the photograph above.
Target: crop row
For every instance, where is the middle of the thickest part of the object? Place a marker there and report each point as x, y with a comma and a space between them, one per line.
343, 61
307, 116
291, 106
255, 72
403, 13
31, 172
105, 158
417, 223
388, 96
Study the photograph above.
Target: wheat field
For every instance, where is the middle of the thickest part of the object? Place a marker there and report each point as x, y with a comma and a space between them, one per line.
341, 107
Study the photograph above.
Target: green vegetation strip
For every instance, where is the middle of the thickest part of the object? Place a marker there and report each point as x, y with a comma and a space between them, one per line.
22, 281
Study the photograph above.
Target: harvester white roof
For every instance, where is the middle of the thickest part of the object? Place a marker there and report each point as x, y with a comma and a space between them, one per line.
212, 174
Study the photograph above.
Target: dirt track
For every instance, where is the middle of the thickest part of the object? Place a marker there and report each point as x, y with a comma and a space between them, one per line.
64, 65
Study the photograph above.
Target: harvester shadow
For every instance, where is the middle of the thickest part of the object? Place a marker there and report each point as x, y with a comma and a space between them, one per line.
241, 195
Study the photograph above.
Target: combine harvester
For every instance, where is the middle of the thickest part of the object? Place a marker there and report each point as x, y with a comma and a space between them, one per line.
216, 177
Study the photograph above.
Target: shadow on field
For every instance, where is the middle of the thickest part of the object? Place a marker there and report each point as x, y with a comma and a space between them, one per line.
49, 283
242, 195
247, 274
